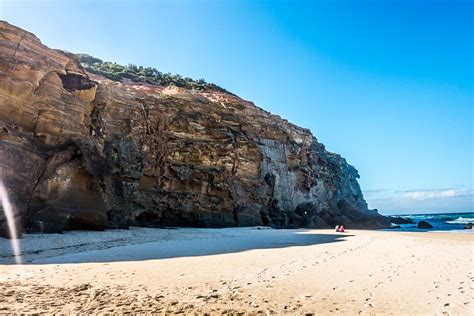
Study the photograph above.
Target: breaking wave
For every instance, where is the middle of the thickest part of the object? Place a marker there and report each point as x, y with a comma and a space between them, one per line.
461, 220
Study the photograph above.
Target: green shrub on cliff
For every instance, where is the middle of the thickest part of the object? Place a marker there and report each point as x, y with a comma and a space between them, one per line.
114, 71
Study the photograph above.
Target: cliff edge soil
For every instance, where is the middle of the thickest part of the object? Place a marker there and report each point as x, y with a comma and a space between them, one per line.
80, 151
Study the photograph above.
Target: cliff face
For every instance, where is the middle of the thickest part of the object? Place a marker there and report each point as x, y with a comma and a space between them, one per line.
79, 151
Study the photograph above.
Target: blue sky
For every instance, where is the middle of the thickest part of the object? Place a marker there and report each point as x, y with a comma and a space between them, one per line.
387, 84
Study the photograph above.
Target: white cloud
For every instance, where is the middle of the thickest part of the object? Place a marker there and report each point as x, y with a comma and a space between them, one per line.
434, 194
421, 201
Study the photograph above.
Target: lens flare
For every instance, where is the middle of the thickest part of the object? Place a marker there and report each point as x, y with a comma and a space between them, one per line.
8, 210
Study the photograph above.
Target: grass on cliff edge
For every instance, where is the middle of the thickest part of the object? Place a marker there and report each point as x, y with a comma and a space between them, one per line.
116, 72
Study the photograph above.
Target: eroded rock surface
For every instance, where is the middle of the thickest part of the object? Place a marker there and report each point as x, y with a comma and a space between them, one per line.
79, 151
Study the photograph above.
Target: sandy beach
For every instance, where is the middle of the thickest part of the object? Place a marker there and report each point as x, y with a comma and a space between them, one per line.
240, 270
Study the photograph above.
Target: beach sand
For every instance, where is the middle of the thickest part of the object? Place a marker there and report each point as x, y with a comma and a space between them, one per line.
236, 270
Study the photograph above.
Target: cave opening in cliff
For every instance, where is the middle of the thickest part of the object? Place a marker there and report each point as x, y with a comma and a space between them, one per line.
72, 81
149, 219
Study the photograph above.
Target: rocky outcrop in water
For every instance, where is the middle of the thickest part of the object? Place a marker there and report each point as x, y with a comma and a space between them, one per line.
400, 220
424, 225
79, 151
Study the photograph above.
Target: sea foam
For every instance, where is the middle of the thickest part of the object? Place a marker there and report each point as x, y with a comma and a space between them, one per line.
461, 220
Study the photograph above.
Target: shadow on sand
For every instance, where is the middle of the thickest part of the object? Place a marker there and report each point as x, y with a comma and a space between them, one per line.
173, 244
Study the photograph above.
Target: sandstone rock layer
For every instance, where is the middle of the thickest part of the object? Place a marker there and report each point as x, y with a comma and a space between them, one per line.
79, 151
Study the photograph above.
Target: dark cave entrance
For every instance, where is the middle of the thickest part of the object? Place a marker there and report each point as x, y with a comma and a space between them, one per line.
73, 82
149, 219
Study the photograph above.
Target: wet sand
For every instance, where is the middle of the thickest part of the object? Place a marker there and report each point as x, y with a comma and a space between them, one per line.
241, 270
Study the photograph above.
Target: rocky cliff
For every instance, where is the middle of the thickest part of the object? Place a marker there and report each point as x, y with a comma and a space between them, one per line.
80, 151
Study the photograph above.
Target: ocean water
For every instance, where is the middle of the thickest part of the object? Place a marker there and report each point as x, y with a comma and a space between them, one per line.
452, 222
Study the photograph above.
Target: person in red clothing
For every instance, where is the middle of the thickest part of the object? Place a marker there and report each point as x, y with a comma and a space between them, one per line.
341, 229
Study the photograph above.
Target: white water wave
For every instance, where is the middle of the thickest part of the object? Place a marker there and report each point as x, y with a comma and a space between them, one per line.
461, 220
